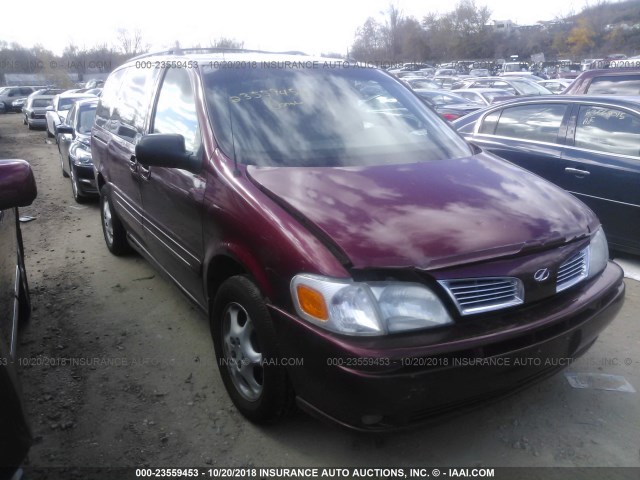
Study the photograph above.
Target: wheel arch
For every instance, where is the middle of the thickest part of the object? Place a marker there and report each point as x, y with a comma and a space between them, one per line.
228, 263
220, 268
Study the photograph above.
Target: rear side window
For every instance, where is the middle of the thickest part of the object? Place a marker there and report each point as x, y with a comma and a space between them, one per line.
532, 122
108, 98
489, 123
41, 102
615, 85
125, 101
608, 130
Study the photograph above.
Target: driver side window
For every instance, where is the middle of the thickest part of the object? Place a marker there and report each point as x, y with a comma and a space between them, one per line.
176, 109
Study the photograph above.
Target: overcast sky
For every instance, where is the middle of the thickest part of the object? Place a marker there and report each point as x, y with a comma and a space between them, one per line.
310, 26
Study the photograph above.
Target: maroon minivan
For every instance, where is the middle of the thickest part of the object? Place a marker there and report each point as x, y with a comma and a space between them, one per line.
352, 251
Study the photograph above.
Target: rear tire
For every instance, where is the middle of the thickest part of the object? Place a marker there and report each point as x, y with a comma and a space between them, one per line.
24, 297
246, 351
115, 235
64, 174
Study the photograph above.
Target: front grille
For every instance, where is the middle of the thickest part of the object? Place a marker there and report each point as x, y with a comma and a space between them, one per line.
477, 295
573, 270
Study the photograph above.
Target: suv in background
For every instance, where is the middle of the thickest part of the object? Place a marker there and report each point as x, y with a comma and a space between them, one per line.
336, 240
614, 81
9, 95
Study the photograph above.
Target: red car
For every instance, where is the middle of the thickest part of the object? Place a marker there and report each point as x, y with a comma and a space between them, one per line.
354, 255
614, 81
17, 189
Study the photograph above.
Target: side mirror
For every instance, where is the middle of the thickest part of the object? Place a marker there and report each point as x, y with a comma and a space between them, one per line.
17, 185
166, 150
64, 129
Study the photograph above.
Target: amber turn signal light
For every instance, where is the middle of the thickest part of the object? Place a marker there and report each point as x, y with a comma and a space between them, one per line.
312, 302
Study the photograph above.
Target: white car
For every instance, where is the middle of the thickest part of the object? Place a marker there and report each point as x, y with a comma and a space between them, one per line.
556, 86
62, 103
486, 96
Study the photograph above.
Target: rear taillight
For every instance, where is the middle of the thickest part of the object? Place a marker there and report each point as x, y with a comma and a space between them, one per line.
450, 116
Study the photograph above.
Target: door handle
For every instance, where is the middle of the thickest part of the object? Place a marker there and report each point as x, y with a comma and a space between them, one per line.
133, 164
144, 172
578, 173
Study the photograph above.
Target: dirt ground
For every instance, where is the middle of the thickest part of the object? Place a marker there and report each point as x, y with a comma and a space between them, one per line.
148, 392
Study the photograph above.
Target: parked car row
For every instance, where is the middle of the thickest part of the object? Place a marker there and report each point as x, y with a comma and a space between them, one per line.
588, 145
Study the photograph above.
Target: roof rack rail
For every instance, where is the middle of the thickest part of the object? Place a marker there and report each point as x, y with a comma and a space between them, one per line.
183, 51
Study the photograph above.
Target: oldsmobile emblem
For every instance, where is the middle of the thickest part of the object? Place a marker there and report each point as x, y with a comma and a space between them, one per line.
541, 275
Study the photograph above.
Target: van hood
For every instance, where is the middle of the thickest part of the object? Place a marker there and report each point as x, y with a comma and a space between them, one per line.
428, 215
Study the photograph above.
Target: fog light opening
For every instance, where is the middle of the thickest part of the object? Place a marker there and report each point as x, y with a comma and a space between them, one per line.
371, 419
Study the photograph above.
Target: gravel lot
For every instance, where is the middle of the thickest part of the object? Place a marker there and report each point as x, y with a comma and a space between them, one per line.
149, 394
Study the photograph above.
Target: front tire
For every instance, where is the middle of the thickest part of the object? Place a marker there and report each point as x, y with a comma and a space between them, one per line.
115, 235
246, 352
75, 188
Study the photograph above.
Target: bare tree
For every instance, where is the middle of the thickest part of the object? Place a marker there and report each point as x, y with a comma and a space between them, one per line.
131, 43
225, 42
393, 27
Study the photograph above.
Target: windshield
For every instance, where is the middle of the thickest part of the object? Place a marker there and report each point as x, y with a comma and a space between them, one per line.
324, 117
66, 103
440, 98
86, 116
422, 84
530, 88
515, 67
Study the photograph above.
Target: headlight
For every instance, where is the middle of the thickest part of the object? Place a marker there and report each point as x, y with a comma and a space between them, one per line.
373, 308
80, 153
598, 253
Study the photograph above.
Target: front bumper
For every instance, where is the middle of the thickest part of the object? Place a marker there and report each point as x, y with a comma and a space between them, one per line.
389, 382
86, 180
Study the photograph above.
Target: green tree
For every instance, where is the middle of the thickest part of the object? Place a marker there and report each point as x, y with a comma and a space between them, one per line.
581, 38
